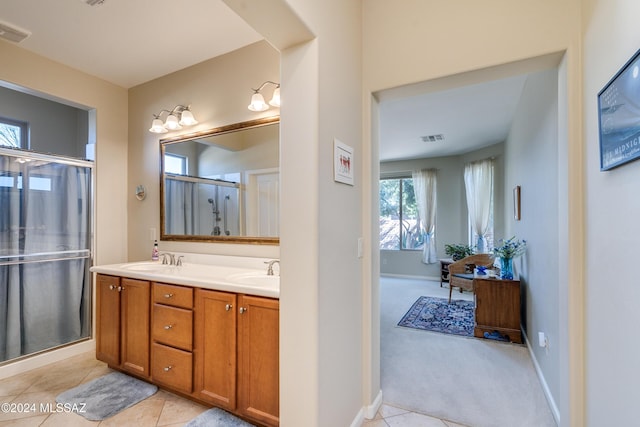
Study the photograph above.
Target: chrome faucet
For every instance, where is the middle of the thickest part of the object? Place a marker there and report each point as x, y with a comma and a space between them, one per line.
270, 266
170, 256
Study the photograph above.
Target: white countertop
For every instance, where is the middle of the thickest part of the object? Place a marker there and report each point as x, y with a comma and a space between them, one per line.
229, 274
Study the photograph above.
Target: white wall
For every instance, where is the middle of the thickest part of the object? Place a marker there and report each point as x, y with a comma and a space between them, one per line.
532, 163
611, 37
414, 41
321, 286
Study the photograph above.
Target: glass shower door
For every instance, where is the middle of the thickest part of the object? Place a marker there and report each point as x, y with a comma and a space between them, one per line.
45, 252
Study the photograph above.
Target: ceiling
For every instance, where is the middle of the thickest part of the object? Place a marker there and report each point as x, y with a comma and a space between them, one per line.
130, 42
467, 117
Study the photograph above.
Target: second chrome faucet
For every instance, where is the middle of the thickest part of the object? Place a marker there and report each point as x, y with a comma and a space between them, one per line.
270, 266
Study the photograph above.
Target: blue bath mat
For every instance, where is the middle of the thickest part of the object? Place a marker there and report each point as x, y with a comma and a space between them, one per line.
216, 417
106, 396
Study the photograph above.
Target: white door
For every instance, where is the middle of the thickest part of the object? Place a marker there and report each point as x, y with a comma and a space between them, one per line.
263, 203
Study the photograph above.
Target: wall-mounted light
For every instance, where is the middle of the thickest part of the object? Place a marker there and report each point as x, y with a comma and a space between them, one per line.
176, 118
257, 100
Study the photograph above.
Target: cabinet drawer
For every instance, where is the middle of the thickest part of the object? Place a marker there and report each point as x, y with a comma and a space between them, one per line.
172, 367
173, 326
177, 296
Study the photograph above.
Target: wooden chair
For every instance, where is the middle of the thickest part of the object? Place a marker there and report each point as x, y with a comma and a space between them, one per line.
466, 266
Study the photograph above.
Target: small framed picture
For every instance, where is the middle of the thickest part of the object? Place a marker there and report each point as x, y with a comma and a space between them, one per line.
342, 162
516, 203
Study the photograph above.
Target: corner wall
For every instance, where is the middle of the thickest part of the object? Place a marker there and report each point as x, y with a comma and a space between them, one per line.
532, 163
611, 37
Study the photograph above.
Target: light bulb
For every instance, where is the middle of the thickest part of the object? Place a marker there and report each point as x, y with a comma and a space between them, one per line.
157, 126
275, 99
187, 119
172, 123
257, 103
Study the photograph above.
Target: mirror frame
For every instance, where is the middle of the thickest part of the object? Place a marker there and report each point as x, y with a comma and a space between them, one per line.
202, 134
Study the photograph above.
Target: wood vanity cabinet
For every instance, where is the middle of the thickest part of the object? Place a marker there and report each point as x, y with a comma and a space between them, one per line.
172, 336
215, 352
122, 336
258, 358
216, 347
237, 353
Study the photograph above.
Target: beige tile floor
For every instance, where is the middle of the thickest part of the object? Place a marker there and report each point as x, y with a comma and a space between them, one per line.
40, 387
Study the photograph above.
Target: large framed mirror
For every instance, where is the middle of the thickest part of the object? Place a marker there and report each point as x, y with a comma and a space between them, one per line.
222, 185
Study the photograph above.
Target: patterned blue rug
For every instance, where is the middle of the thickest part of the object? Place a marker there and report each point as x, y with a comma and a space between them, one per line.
436, 314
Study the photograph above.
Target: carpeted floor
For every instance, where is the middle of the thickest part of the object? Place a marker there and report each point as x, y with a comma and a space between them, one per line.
474, 382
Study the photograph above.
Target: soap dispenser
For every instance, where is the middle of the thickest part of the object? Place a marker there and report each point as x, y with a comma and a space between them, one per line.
155, 254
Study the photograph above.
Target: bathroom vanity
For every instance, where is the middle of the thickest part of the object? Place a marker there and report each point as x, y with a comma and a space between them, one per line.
207, 332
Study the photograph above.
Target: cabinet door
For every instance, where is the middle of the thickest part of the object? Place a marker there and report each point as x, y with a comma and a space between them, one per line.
215, 348
108, 319
258, 358
136, 303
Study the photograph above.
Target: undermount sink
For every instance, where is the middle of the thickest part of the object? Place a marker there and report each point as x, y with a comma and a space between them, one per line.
146, 266
255, 279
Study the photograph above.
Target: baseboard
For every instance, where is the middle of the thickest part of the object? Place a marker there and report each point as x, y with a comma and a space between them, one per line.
43, 359
369, 412
545, 387
409, 276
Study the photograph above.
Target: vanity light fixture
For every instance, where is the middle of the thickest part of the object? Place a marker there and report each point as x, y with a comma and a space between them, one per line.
176, 118
257, 100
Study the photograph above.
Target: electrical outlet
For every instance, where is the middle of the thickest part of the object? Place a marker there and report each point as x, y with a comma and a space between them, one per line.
152, 234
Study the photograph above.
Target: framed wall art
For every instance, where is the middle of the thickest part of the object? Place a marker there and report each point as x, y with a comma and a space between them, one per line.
342, 162
619, 116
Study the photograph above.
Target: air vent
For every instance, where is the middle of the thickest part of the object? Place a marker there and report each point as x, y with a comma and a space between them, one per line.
93, 2
13, 34
432, 138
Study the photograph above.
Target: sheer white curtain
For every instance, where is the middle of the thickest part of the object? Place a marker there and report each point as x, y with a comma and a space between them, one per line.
425, 188
478, 181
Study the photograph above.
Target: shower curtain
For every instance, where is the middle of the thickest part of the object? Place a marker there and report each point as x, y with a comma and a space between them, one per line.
45, 241
181, 207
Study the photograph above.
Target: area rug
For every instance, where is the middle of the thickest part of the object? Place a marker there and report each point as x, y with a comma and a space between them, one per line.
105, 396
217, 417
436, 314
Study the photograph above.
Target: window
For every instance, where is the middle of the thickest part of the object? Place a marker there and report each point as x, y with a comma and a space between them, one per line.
400, 227
13, 133
175, 164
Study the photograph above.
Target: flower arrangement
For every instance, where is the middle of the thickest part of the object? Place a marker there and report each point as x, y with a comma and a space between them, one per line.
510, 248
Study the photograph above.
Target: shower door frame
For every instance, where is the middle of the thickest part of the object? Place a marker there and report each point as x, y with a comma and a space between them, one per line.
20, 153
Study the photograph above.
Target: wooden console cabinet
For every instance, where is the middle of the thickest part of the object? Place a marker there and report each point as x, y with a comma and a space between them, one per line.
497, 308
215, 347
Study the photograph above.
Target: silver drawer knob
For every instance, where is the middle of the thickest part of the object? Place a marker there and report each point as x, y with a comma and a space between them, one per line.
228, 307
168, 368
168, 295
167, 327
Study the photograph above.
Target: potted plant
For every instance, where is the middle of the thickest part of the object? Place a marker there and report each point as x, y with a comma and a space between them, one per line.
458, 251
